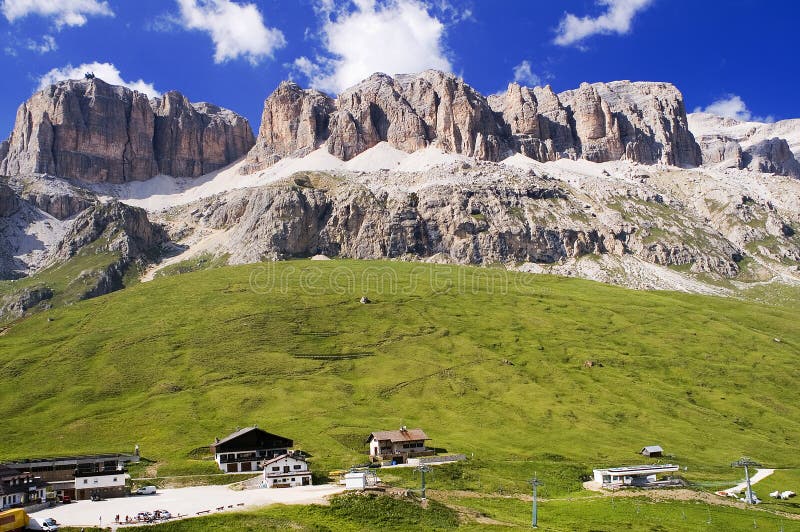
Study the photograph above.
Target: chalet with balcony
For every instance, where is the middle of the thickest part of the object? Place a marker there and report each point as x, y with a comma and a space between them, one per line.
397, 446
19, 489
286, 471
247, 448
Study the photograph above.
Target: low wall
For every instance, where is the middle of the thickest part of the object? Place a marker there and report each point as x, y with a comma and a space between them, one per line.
437, 459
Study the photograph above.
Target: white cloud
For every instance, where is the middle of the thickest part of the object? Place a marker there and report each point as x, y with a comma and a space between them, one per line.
48, 44
732, 106
105, 71
394, 37
617, 19
523, 74
64, 12
237, 30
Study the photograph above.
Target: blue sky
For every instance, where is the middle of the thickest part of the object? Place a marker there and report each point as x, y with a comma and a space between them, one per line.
734, 55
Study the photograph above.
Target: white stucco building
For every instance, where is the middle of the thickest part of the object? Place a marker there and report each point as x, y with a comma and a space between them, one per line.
103, 484
286, 471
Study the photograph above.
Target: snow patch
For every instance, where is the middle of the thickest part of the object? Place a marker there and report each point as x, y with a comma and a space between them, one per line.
163, 192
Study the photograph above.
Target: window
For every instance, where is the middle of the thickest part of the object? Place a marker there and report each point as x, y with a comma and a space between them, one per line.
298, 466
86, 481
114, 479
276, 468
292, 480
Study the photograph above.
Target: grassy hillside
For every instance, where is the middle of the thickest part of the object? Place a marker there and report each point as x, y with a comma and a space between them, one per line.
489, 363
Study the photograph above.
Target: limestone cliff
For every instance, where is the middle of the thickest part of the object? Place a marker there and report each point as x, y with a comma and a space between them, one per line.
96, 132
641, 122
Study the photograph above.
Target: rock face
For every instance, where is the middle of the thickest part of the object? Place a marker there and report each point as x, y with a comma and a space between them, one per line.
651, 118
9, 202
15, 305
294, 123
517, 219
408, 112
113, 227
721, 151
95, 132
468, 226
772, 156
642, 122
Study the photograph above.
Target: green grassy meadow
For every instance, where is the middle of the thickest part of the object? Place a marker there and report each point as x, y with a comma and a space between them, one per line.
489, 363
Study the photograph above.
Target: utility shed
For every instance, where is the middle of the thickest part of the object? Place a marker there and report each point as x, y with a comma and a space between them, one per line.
652, 451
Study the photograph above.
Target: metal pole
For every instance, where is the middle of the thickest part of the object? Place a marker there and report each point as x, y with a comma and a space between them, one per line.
749, 495
423, 468
535, 483
746, 463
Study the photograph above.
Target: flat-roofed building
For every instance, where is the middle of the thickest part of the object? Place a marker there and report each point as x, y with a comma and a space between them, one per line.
635, 476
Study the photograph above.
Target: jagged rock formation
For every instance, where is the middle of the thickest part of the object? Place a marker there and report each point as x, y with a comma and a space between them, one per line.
294, 123
95, 132
468, 226
642, 122
769, 156
759, 147
772, 156
652, 121
482, 215
112, 227
15, 305
721, 151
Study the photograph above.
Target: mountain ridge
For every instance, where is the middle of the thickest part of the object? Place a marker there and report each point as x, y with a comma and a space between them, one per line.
594, 189
638, 121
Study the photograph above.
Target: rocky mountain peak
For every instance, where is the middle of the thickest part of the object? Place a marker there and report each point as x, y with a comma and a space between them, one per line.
96, 132
642, 122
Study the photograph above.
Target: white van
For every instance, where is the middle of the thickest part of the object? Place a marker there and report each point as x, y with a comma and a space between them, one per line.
145, 490
48, 524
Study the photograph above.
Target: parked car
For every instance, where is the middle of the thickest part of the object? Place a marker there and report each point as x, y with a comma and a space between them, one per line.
145, 490
48, 524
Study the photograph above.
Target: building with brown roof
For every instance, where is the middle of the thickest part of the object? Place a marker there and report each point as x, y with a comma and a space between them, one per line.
398, 445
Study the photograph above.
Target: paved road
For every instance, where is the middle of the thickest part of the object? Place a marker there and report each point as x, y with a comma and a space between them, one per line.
760, 475
185, 502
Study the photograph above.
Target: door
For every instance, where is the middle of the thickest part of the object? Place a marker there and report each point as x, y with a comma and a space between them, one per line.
306, 481
286, 469
232, 468
247, 466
